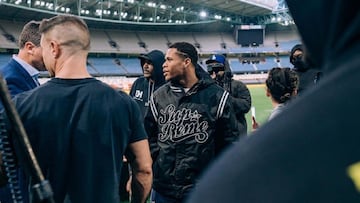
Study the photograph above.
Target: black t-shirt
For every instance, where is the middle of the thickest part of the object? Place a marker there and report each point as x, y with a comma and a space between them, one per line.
79, 130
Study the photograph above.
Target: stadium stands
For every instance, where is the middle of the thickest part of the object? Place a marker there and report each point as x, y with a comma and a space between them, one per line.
285, 61
105, 66
238, 67
130, 67
4, 58
8, 34
114, 52
100, 42
215, 38
154, 40
128, 41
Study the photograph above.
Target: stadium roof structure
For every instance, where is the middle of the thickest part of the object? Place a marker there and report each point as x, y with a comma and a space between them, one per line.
176, 15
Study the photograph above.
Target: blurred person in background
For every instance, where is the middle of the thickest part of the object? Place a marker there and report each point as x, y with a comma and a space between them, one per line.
190, 122
309, 76
310, 152
219, 70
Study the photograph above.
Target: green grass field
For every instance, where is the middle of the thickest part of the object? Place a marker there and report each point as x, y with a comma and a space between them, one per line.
261, 103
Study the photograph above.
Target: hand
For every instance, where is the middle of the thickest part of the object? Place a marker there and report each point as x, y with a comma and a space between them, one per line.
255, 125
128, 185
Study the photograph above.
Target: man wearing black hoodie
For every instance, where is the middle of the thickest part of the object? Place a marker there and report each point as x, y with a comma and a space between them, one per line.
309, 76
143, 87
310, 152
153, 78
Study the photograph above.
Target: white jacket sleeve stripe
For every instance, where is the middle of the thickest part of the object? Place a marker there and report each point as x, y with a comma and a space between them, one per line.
222, 104
153, 108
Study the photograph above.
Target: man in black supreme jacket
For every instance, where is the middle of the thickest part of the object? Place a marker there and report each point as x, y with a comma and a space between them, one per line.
190, 122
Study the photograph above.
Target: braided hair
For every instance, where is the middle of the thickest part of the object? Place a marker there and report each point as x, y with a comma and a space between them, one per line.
282, 84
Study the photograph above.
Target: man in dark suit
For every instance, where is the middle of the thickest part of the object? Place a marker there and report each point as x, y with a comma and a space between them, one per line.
21, 73
22, 70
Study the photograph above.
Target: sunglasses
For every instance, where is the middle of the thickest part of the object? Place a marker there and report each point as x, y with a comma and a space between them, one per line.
215, 68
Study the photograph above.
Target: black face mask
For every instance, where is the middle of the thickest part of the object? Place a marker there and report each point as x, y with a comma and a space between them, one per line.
299, 63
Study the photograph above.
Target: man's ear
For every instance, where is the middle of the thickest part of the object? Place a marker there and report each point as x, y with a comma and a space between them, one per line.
55, 49
30, 47
187, 62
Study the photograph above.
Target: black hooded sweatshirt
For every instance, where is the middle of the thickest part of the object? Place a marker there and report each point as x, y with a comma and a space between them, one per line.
310, 152
143, 88
308, 76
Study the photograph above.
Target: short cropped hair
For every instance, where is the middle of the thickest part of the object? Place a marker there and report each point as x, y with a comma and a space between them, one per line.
282, 83
30, 33
48, 24
187, 50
